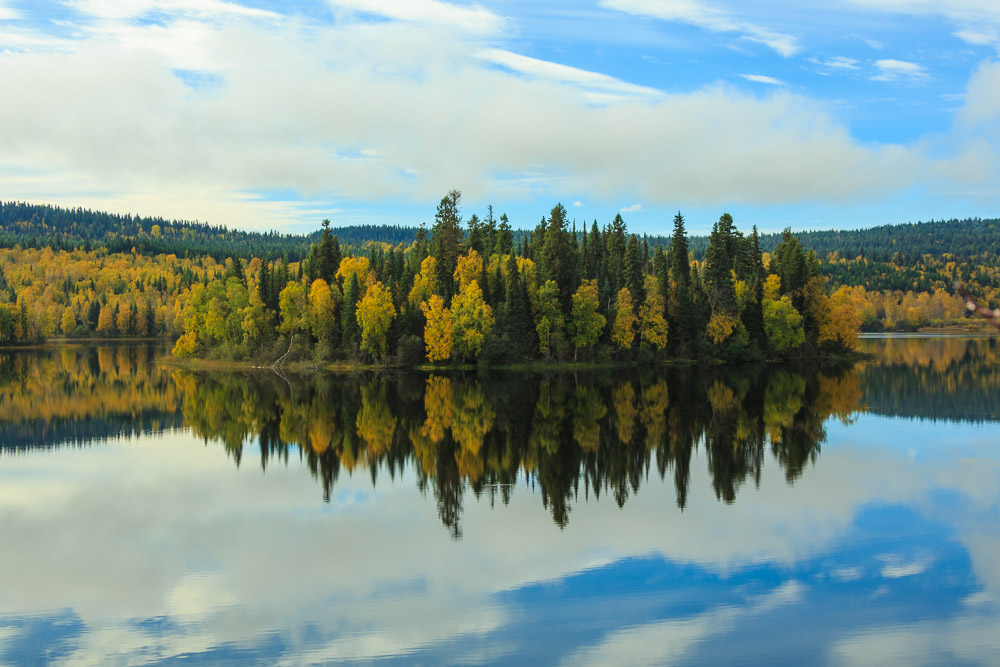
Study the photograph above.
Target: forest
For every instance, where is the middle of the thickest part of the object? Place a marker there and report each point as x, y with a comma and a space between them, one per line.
479, 291
474, 296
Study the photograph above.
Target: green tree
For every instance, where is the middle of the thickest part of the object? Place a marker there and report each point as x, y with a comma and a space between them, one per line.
783, 324
550, 323
587, 322
446, 239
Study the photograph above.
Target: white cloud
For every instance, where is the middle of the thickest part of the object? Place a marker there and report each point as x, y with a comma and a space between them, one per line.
359, 111
178, 551
577, 204
667, 642
977, 37
761, 78
634, 208
434, 12
708, 17
128, 9
836, 63
8, 13
982, 98
978, 20
896, 70
591, 81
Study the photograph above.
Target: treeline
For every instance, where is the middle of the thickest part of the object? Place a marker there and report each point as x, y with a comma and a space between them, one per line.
970, 241
79, 273
474, 294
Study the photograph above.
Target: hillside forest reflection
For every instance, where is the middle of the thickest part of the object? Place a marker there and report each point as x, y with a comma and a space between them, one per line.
571, 437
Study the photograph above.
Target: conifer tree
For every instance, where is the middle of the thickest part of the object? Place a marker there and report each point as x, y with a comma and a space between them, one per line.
350, 331
446, 239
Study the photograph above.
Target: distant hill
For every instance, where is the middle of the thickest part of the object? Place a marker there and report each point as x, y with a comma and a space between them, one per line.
31, 225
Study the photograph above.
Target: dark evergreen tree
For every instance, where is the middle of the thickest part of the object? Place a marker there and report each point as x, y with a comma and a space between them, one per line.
489, 232
446, 240
680, 306
634, 273
329, 251
615, 241
556, 257
264, 284
505, 237
519, 337
718, 270
350, 331
474, 240
753, 315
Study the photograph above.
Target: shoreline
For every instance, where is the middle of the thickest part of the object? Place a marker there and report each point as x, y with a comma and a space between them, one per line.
309, 368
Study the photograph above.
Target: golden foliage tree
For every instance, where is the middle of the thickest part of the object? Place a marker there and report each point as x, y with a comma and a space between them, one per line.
424, 283
468, 269
623, 330
652, 323
294, 308
68, 322
375, 313
439, 330
354, 266
472, 320
323, 302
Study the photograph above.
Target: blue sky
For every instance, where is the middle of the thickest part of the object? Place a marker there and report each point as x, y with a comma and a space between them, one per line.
278, 114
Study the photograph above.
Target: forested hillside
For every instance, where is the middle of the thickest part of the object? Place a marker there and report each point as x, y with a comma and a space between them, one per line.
34, 226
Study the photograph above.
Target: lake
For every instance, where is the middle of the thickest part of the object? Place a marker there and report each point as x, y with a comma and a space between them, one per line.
752, 515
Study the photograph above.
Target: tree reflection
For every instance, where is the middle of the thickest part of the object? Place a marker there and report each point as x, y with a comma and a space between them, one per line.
77, 394
569, 437
564, 435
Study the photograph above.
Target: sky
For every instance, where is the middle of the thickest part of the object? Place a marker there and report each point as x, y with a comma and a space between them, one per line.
276, 115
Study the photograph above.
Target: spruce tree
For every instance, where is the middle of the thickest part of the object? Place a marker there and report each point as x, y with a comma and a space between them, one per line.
446, 240
350, 331
505, 238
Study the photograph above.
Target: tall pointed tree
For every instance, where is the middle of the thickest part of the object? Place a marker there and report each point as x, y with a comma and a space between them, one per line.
446, 239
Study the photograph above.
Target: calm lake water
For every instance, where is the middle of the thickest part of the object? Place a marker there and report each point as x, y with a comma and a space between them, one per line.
843, 515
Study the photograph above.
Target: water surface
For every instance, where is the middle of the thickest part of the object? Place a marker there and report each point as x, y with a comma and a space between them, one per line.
844, 515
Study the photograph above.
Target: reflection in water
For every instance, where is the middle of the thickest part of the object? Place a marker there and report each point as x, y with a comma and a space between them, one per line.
76, 394
953, 378
882, 550
569, 435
